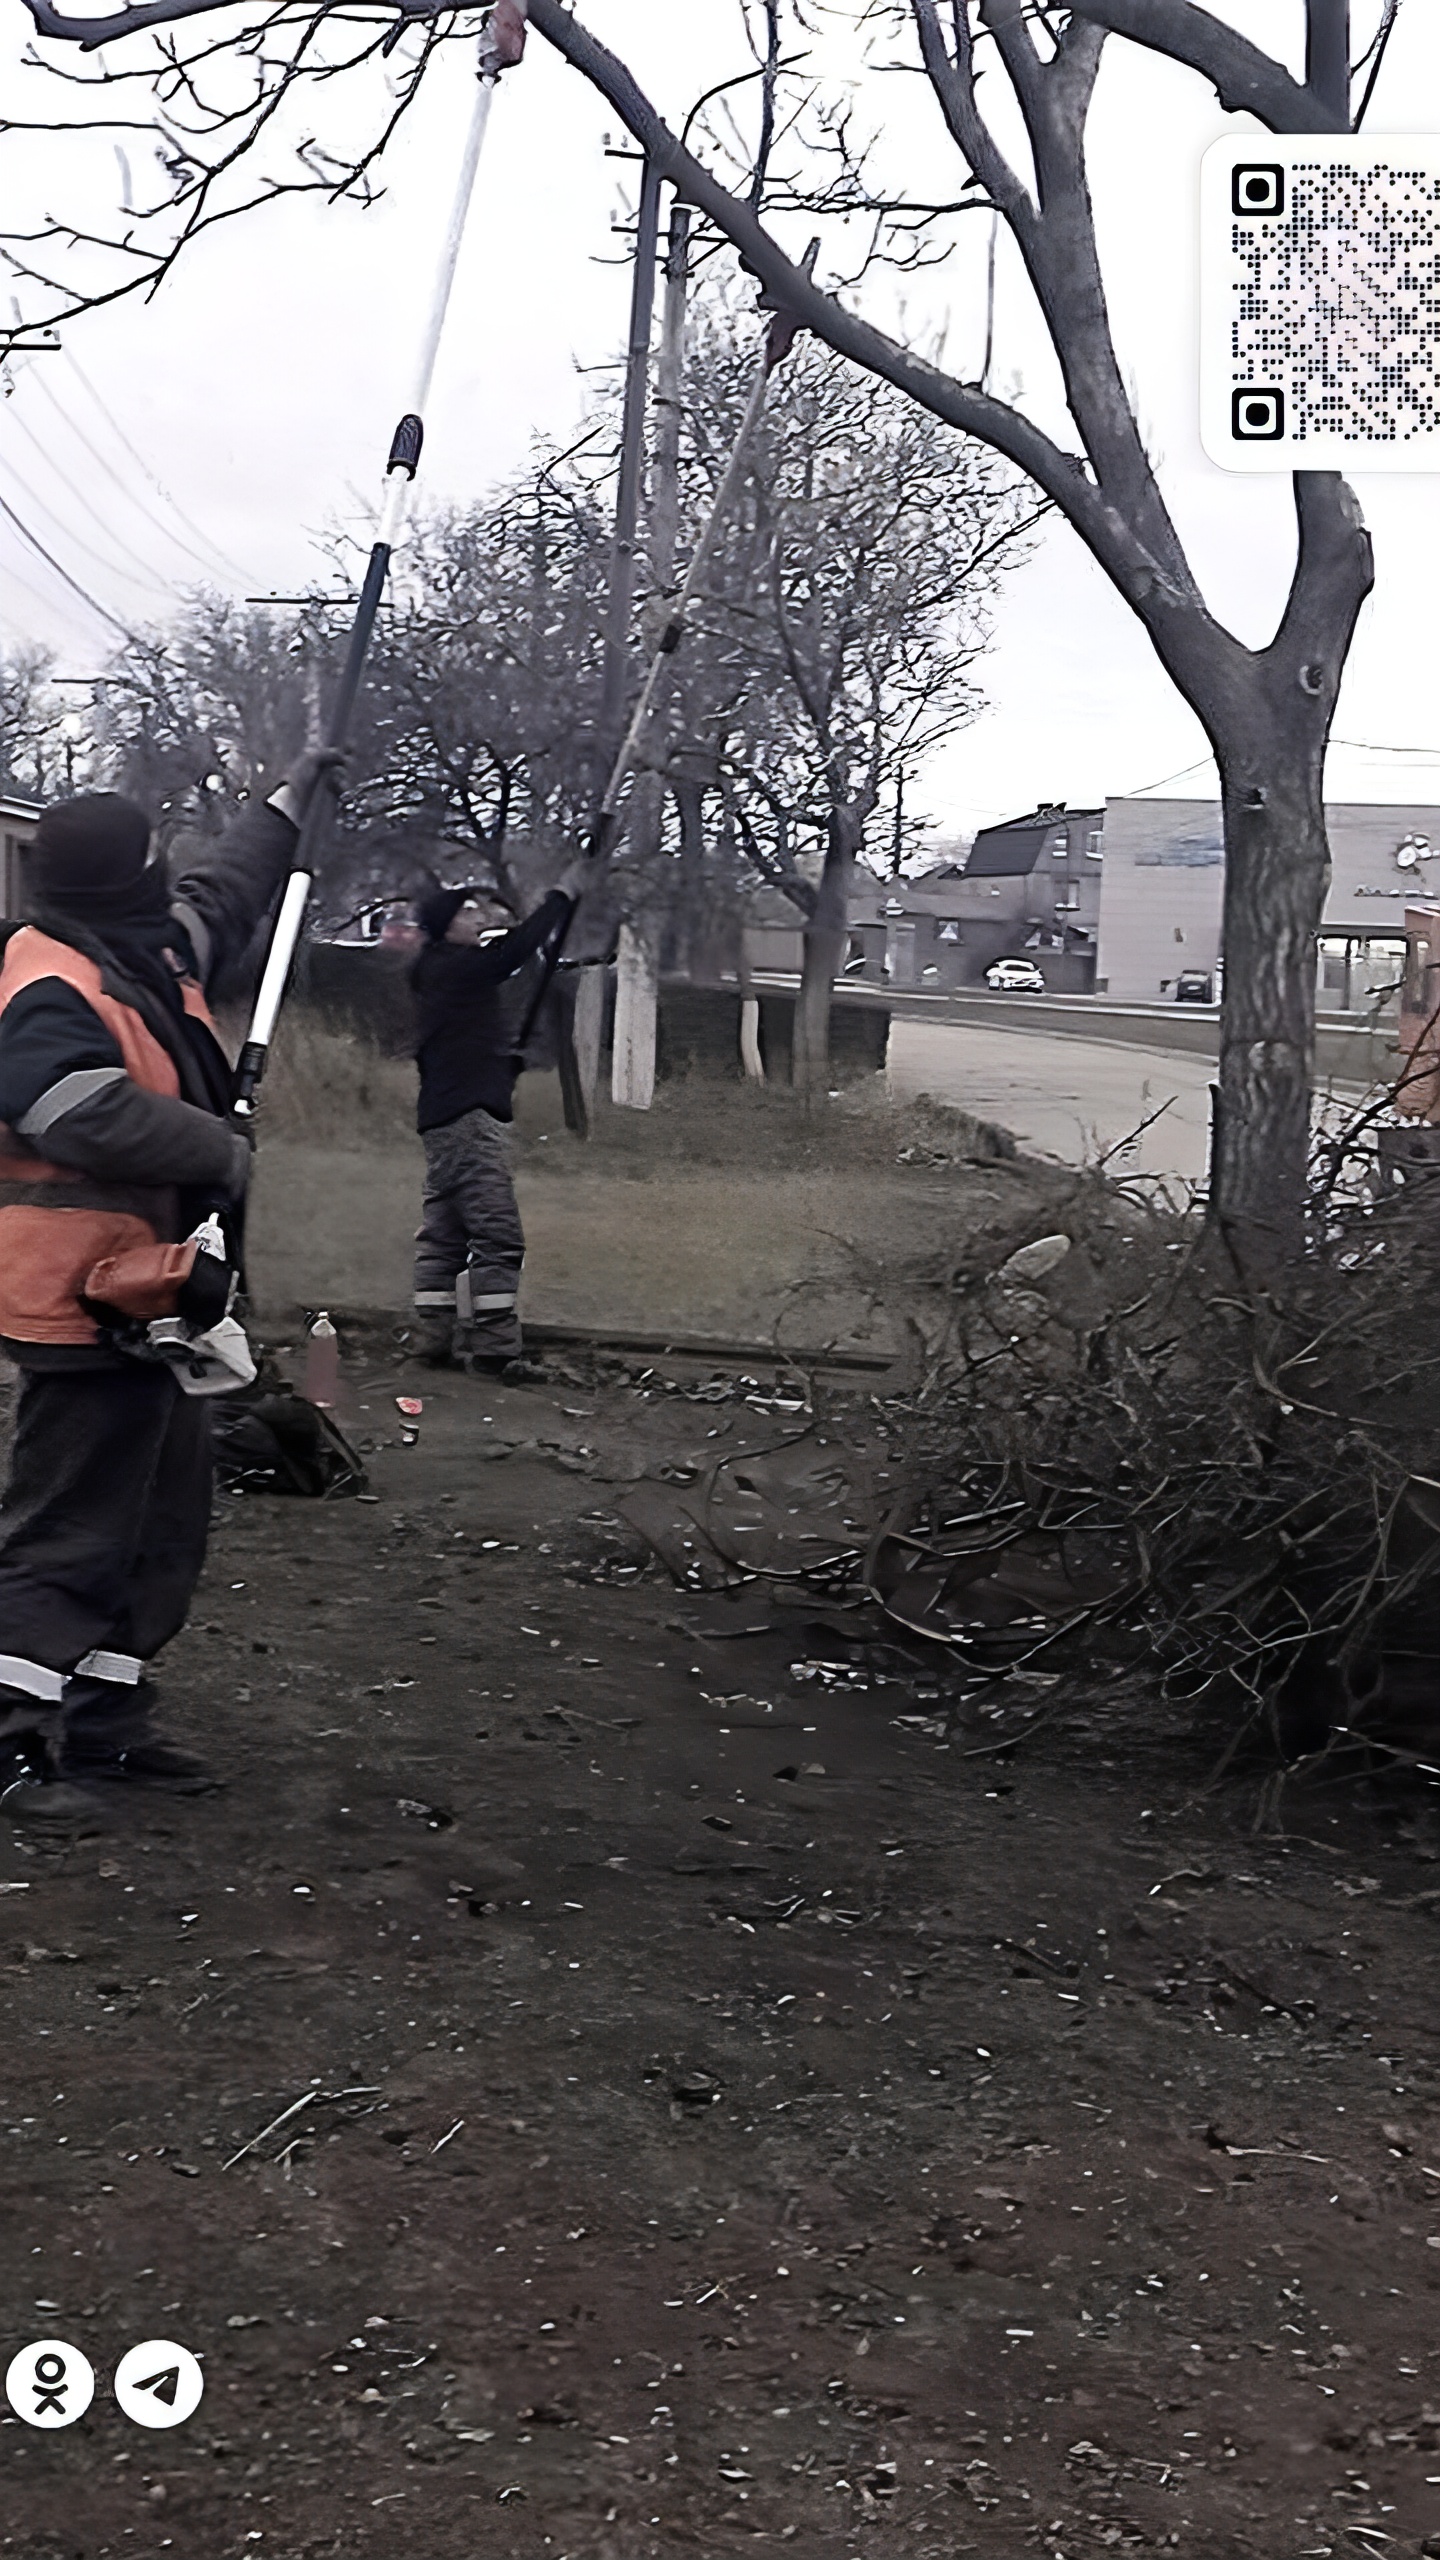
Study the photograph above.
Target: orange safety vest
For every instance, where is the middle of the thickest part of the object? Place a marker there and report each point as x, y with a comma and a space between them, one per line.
55, 1223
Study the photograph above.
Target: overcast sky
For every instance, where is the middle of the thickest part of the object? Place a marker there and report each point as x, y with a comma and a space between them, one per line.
259, 389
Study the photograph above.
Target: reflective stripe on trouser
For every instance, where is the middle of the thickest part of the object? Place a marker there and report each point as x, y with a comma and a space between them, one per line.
30, 1694
102, 1527
470, 1245
125, 1669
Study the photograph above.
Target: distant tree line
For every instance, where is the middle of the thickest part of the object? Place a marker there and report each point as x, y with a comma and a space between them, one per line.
835, 649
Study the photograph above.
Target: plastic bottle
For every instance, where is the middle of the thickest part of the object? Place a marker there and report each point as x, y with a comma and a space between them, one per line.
322, 1363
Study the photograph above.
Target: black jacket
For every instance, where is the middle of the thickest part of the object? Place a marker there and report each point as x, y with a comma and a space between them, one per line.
465, 1031
66, 1098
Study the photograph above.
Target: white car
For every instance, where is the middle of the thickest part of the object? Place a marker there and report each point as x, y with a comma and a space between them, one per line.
1015, 978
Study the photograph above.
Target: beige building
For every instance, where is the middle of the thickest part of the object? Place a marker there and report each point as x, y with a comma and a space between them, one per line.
1163, 878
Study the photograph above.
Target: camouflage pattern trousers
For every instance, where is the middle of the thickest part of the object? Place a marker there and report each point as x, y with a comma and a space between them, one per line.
469, 1245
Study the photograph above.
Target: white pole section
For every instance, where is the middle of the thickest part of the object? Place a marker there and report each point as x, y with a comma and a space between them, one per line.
399, 484
277, 967
450, 252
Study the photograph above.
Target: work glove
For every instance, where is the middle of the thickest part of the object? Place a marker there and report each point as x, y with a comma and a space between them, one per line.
311, 766
574, 880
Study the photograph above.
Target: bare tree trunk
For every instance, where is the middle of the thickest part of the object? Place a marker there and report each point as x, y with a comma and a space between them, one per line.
1277, 868
1268, 714
636, 994
826, 935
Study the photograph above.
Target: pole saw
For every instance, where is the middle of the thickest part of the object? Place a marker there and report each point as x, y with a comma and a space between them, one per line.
502, 42
781, 332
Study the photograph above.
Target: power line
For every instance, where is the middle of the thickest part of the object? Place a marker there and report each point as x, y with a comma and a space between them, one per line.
161, 586
17, 578
1197, 767
140, 504
173, 503
51, 562
78, 540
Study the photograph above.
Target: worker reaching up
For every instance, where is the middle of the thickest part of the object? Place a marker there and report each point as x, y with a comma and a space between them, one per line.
117, 1140
470, 1245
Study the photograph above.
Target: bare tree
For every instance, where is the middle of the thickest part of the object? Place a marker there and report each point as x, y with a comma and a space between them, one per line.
1267, 711
197, 718
853, 596
32, 739
224, 116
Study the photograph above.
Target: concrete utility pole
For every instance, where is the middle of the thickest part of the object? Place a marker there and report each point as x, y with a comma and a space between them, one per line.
620, 597
632, 1072
620, 600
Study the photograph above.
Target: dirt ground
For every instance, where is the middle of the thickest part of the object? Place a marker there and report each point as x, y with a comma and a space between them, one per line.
738, 2093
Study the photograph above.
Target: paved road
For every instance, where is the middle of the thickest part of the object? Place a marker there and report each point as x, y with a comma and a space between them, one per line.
1063, 1096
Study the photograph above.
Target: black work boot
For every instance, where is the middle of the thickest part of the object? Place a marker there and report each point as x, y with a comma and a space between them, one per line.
107, 1738
32, 1793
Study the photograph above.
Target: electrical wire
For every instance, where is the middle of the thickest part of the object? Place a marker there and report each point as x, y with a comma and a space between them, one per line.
80, 541
16, 578
230, 566
51, 562
146, 567
1197, 767
213, 567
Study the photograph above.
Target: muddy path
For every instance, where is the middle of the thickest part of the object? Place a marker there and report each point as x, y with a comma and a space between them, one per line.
727, 2107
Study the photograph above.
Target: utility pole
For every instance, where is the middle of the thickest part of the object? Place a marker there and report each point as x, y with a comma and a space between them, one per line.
620, 600
620, 597
632, 1073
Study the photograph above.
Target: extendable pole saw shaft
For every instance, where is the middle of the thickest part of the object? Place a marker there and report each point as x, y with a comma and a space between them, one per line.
500, 44
779, 338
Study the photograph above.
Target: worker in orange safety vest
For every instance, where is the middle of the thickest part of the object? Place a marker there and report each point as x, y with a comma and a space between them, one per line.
116, 1139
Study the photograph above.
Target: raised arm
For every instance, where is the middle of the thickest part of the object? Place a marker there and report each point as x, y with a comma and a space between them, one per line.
223, 891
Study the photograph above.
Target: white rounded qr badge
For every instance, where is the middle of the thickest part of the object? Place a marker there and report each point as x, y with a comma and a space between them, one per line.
158, 2384
49, 2384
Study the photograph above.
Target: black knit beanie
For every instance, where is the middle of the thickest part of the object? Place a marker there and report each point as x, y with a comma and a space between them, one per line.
90, 849
436, 911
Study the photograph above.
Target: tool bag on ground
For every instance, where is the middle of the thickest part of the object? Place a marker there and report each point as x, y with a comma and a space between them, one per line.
269, 1440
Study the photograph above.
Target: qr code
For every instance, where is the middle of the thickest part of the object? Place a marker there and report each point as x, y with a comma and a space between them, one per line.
1320, 303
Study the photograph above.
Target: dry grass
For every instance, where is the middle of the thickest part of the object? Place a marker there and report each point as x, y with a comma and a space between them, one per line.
332, 1088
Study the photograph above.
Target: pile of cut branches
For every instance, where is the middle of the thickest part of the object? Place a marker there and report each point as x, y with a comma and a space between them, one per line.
1119, 1455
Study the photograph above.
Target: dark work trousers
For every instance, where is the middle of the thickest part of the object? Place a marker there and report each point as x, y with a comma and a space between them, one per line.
470, 1244
102, 1534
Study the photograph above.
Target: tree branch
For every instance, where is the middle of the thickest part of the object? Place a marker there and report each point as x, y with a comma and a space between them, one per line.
954, 85
1122, 554
90, 32
1245, 80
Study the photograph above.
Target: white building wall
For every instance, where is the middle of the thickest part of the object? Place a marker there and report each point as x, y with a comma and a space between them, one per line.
1163, 885
1161, 893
